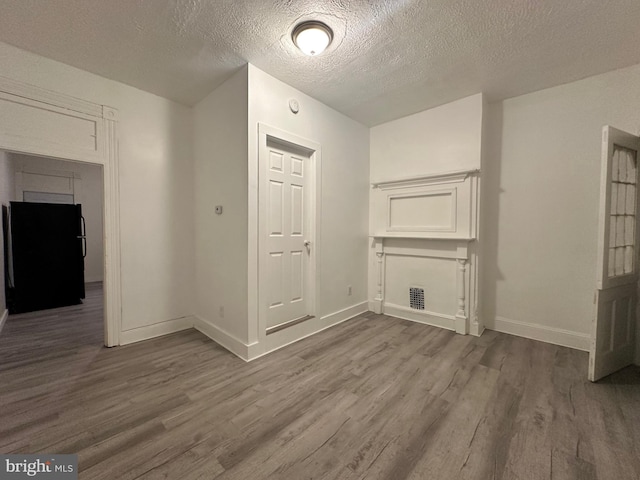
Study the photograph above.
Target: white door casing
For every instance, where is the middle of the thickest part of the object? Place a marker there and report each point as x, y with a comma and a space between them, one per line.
614, 324
287, 230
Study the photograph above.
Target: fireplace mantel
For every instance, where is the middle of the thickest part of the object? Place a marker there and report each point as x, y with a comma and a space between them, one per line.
423, 238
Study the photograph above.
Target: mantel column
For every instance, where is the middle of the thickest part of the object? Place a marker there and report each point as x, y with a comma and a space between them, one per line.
461, 314
379, 298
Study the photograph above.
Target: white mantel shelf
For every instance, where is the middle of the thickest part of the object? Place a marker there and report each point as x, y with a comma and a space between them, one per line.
454, 176
422, 237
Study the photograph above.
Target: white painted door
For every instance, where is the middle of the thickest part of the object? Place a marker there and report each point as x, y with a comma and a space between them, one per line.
288, 240
614, 325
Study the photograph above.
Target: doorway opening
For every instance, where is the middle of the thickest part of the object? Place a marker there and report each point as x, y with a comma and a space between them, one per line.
53, 253
54, 125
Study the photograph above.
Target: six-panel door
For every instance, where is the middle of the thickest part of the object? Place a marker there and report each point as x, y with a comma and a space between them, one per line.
287, 224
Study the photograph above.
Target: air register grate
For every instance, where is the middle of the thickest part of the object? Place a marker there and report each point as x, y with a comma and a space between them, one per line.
416, 298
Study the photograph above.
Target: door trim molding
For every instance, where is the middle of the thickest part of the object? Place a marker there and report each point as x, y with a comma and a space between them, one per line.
35, 100
266, 132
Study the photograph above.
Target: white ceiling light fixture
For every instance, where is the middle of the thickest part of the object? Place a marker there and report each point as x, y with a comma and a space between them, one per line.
312, 37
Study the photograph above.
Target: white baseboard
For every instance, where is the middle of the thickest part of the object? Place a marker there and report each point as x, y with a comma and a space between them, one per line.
222, 338
276, 341
428, 318
3, 319
306, 329
345, 314
156, 330
556, 336
96, 278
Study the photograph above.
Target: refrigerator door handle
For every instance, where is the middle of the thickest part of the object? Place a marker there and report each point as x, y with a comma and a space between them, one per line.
83, 236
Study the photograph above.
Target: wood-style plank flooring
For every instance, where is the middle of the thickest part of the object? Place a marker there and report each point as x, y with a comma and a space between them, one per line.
375, 398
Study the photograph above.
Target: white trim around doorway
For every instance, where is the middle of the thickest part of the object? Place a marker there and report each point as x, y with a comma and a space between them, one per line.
94, 139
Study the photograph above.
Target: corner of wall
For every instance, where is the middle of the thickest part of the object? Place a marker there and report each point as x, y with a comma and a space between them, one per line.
222, 338
220, 178
481, 236
490, 159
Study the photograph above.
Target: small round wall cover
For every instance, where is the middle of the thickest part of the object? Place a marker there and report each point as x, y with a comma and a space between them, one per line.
294, 106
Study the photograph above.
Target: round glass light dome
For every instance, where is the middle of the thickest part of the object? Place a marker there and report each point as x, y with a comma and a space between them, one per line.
312, 37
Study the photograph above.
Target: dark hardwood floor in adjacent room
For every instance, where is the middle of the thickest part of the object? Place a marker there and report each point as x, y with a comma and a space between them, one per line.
375, 397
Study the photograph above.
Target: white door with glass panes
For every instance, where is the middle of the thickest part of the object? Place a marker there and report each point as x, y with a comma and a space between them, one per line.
614, 324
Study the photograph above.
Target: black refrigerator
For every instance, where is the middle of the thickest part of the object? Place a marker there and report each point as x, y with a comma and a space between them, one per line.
46, 249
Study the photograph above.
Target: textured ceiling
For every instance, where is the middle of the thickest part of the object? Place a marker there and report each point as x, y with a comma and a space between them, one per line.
389, 59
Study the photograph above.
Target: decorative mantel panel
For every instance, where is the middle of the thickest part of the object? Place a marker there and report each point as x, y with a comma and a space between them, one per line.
434, 206
424, 250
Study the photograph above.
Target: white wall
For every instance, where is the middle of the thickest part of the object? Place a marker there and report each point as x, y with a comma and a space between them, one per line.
220, 139
442, 139
541, 186
89, 195
156, 179
345, 189
7, 190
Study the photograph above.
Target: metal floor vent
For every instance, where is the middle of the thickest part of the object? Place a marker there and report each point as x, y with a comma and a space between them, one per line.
416, 298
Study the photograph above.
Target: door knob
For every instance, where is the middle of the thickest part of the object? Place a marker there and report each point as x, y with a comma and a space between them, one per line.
307, 243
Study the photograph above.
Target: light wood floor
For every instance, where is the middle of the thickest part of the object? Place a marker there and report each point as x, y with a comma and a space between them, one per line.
374, 398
